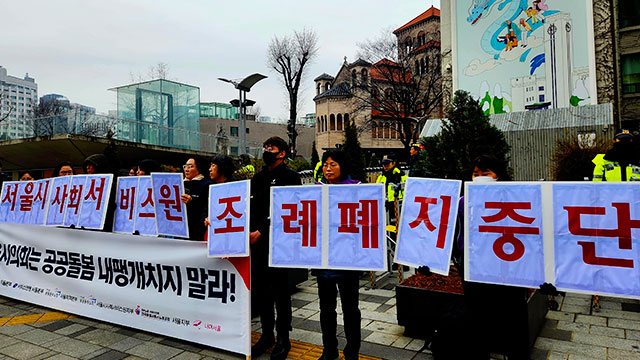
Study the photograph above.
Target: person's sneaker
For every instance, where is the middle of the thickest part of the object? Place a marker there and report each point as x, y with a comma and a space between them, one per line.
281, 350
330, 356
262, 345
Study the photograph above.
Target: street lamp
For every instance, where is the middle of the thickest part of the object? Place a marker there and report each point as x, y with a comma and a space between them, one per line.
244, 86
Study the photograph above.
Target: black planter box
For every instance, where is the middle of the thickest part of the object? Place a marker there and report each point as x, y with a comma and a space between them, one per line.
421, 311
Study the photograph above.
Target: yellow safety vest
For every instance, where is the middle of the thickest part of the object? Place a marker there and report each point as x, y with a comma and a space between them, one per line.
606, 170
317, 172
391, 194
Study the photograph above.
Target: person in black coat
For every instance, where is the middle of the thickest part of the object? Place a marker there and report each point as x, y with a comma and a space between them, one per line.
270, 285
196, 196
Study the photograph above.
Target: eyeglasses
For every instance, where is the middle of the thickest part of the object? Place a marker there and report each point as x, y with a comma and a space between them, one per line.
66, 172
269, 148
188, 166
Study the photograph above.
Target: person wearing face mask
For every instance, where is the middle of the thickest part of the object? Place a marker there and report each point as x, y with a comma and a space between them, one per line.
621, 163
270, 285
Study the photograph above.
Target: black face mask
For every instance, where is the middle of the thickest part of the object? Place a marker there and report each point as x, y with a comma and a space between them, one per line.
269, 158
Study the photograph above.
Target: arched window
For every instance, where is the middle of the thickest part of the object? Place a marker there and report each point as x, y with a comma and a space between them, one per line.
353, 77
423, 68
407, 44
346, 120
363, 76
339, 124
332, 122
374, 130
319, 125
318, 90
421, 38
327, 86
324, 123
387, 135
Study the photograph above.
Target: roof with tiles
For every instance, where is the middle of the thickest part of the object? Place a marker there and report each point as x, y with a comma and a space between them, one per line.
431, 12
342, 89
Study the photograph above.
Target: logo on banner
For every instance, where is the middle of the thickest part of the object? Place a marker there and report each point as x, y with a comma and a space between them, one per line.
137, 310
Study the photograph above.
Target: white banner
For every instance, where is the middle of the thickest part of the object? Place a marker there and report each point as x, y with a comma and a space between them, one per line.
428, 223
164, 286
328, 227
229, 218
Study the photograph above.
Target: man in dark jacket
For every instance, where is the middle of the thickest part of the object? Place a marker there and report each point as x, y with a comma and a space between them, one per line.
270, 285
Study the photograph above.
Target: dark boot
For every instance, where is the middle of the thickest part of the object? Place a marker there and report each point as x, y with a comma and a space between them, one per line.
281, 350
329, 355
263, 344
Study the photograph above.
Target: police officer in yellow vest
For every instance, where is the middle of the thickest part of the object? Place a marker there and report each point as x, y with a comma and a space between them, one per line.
621, 163
317, 172
392, 177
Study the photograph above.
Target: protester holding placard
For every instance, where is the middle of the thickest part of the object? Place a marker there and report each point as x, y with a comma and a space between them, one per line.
270, 285
26, 176
491, 308
63, 169
335, 168
147, 166
196, 187
220, 171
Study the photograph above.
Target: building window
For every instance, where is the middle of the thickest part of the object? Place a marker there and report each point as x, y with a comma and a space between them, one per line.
421, 38
363, 76
631, 73
247, 130
332, 122
318, 91
388, 94
353, 77
374, 130
339, 124
387, 134
234, 131
318, 125
629, 11
346, 120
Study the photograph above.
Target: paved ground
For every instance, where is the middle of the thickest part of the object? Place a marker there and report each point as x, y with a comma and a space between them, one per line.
572, 333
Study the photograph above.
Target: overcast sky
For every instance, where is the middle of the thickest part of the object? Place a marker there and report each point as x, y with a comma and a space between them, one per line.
81, 48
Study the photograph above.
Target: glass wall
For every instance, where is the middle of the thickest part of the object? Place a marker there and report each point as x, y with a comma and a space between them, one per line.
162, 112
629, 11
218, 110
630, 73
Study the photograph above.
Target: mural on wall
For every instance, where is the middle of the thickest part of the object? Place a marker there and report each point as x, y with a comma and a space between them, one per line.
519, 55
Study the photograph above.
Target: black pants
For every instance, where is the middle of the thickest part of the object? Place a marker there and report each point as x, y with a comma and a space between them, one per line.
327, 292
271, 287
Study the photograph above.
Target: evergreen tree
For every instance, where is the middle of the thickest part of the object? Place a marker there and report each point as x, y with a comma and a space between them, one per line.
465, 135
353, 151
314, 155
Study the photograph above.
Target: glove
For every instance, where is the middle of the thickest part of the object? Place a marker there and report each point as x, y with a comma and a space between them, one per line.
548, 289
424, 270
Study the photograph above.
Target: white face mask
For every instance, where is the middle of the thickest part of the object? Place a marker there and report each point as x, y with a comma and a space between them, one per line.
483, 179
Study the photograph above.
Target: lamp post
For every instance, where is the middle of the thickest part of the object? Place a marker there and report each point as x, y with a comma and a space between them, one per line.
243, 86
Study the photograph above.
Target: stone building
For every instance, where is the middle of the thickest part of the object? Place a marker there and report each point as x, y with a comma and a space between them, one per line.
360, 89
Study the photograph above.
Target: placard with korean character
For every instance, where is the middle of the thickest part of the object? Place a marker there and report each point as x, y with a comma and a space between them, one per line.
296, 236
9, 201
95, 201
427, 223
74, 200
597, 237
57, 203
39, 207
357, 226
126, 196
26, 193
229, 217
145, 214
171, 213
504, 234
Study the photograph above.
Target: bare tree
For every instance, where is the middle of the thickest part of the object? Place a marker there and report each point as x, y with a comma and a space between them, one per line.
289, 56
402, 89
48, 118
5, 102
154, 72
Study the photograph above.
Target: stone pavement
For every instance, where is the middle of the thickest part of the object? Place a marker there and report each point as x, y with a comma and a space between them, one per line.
572, 333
